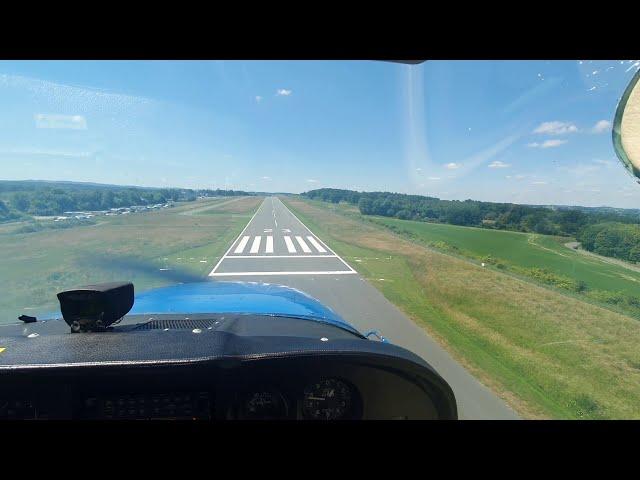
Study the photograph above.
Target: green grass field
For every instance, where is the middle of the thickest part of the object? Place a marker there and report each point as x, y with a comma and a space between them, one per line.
151, 249
527, 250
547, 353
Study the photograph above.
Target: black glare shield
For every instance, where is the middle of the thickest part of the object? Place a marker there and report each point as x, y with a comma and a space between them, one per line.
95, 307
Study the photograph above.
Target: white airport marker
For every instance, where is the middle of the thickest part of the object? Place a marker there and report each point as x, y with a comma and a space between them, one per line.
271, 257
269, 246
255, 274
241, 245
286, 230
255, 246
290, 246
303, 245
268, 230
316, 244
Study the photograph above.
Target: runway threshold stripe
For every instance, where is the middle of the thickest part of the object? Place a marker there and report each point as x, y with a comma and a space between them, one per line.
316, 244
290, 246
253, 274
303, 245
269, 246
253, 257
255, 246
241, 245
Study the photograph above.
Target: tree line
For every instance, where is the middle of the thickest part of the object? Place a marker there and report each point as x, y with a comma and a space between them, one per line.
608, 232
19, 199
612, 239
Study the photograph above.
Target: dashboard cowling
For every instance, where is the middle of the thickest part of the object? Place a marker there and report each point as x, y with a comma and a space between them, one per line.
128, 359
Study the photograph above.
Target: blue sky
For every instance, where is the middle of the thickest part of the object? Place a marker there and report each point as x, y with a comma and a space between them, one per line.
516, 131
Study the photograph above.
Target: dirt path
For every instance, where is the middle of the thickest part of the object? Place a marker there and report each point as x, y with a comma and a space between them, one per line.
575, 246
532, 241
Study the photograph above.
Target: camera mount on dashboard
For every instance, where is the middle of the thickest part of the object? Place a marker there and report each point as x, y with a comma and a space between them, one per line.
93, 308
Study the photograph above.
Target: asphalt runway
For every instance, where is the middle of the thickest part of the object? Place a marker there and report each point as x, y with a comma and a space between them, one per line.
276, 247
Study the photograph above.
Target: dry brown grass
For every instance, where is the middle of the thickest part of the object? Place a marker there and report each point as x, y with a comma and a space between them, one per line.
243, 205
546, 353
134, 247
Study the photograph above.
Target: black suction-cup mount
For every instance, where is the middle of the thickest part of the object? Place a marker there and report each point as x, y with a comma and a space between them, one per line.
93, 308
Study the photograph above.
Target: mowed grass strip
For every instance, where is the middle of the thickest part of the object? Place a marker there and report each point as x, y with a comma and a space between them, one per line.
241, 205
150, 249
527, 250
547, 354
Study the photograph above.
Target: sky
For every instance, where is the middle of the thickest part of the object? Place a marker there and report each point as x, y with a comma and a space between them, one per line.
535, 132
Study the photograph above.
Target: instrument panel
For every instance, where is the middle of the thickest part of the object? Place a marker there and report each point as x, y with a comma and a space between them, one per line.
321, 399
304, 389
324, 399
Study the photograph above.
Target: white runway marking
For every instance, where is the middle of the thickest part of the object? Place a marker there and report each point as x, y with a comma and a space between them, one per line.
316, 244
327, 247
241, 245
256, 244
242, 274
290, 246
280, 256
242, 241
231, 246
303, 245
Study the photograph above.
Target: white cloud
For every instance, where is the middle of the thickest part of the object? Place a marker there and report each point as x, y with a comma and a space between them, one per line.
452, 166
601, 126
486, 155
434, 178
539, 183
556, 128
580, 170
68, 122
283, 92
607, 163
44, 152
552, 143
258, 98
516, 177
75, 98
312, 180
547, 144
266, 178
499, 164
